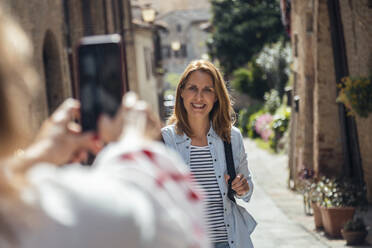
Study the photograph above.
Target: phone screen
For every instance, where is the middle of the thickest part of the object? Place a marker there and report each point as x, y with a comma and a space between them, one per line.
101, 81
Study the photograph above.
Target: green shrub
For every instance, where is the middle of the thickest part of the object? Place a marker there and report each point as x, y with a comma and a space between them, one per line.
242, 121
272, 101
341, 192
275, 59
355, 225
355, 93
250, 81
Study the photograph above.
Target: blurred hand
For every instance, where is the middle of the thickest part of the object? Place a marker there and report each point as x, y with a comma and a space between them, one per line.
60, 140
133, 114
239, 184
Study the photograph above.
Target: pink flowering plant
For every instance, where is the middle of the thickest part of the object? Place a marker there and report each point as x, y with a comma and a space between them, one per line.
263, 126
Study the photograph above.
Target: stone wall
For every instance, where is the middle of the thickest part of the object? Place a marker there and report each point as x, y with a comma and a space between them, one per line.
47, 38
315, 127
302, 37
316, 133
327, 142
147, 82
357, 25
130, 51
55, 28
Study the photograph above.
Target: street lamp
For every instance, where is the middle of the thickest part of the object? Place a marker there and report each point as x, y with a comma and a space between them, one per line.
148, 14
176, 45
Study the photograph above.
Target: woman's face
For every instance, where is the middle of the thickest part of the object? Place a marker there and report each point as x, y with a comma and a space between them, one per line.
198, 95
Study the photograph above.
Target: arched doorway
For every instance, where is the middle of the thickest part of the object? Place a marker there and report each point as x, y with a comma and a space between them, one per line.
52, 72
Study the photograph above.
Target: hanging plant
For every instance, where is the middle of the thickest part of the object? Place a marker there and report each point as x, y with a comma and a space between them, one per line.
356, 94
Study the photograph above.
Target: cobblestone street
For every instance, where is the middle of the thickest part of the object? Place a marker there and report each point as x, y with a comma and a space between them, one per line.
278, 211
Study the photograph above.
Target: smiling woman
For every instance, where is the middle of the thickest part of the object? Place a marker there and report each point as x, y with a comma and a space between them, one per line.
203, 74
201, 123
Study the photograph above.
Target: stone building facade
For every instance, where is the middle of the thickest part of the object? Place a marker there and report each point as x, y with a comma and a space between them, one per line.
150, 81
184, 40
55, 28
357, 24
163, 7
330, 39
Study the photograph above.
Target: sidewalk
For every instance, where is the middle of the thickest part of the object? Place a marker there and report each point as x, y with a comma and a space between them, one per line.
279, 211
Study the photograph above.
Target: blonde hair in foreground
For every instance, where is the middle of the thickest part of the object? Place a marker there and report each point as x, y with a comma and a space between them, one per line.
222, 114
16, 77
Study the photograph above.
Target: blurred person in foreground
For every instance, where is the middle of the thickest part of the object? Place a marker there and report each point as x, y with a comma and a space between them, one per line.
136, 194
201, 122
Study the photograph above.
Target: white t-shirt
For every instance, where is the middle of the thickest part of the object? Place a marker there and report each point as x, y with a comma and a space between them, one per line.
133, 196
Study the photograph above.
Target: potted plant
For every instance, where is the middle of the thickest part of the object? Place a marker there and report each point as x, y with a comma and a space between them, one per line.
339, 198
355, 93
311, 189
316, 199
354, 232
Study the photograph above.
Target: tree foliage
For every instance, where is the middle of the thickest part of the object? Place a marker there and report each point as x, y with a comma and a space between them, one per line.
251, 81
274, 59
241, 29
269, 70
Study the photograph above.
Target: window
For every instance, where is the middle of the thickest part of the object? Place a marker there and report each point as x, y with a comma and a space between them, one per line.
309, 22
184, 50
148, 62
179, 28
295, 79
296, 45
176, 53
166, 51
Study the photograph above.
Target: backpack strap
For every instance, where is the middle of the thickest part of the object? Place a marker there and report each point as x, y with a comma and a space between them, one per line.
230, 169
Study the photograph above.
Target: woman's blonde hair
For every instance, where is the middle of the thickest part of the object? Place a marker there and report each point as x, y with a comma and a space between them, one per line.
222, 114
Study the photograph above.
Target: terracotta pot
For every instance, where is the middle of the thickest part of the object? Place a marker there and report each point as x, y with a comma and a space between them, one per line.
335, 218
354, 237
317, 215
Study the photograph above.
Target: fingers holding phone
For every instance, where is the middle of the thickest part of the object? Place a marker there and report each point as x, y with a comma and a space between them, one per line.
60, 139
134, 117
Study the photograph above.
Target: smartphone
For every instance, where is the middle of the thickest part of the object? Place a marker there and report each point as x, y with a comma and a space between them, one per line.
101, 82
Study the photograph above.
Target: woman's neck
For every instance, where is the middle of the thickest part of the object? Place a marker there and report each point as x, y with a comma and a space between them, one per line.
199, 128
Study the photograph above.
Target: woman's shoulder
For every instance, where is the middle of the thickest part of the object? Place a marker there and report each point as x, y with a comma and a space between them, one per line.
169, 133
169, 129
235, 132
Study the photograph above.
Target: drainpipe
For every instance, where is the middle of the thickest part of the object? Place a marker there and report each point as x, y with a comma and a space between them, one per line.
352, 166
104, 4
69, 47
122, 32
